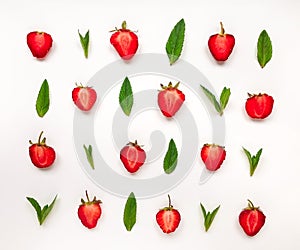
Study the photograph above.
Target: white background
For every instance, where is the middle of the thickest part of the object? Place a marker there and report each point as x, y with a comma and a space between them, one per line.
274, 186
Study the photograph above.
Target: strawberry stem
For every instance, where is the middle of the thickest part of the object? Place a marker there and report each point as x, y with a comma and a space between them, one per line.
170, 205
39, 140
250, 204
124, 25
222, 29
87, 196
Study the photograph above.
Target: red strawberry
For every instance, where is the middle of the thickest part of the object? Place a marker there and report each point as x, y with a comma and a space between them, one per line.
132, 157
170, 99
168, 218
125, 42
213, 156
41, 155
89, 212
221, 45
39, 43
251, 219
259, 106
84, 97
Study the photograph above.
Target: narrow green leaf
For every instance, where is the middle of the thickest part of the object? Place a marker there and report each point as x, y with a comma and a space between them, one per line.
253, 160
129, 217
126, 97
248, 155
89, 155
212, 99
264, 49
213, 215
170, 160
224, 98
175, 42
203, 210
85, 43
43, 99
46, 210
208, 216
36, 206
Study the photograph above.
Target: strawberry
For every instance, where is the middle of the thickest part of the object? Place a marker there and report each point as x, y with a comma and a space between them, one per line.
221, 45
89, 212
259, 106
170, 99
168, 218
132, 157
125, 42
41, 155
251, 219
84, 97
213, 156
39, 43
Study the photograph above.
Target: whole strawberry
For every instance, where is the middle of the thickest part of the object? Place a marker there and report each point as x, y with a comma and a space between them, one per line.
132, 157
168, 218
41, 155
259, 106
251, 219
221, 45
170, 99
213, 156
125, 42
89, 212
39, 43
84, 97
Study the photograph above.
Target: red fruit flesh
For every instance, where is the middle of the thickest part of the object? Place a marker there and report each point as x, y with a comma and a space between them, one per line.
84, 97
259, 106
39, 43
213, 156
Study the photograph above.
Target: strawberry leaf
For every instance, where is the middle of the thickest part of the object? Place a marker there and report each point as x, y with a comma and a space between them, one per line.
212, 99
170, 160
129, 217
126, 97
208, 216
253, 160
43, 99
85, 42
224, 98
264, 49
175, 42
89, 155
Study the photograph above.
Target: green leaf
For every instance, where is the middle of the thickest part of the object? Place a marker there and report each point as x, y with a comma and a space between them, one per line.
126, 97
129, 217
43, 100
203, 210
212, 99
224, 98
85, 43
175, 42
170, 160
41, 214
264, 49
253, 160
89, 155
208, 216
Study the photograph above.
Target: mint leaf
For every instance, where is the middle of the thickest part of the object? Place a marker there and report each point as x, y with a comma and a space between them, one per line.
43, 100
126, 97
89, 155
41, 213
253, 160
170, 160
212, 99
85, 42
224, 98
129, 217
175, 42
208, 216
264, 49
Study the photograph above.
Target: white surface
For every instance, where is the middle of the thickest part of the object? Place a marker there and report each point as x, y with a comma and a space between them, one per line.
275, 185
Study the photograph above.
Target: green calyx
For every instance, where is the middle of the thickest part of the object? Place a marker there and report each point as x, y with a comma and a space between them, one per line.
89, 202
251, 206
170, 86
40, 142
170, 206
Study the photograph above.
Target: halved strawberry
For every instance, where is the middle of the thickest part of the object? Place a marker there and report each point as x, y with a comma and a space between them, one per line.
39, 43
170, 99
125, 42
168, 218
89, 212
132, 157
259, 106
213, 156
84, 97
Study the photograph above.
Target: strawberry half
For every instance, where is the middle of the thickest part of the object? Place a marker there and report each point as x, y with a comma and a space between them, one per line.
170, 99
132, 157
124, 41
89, 212
251, 219
259, 106
221, 45
41, 155
213, 156
39, 43
84, 97
168, 218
